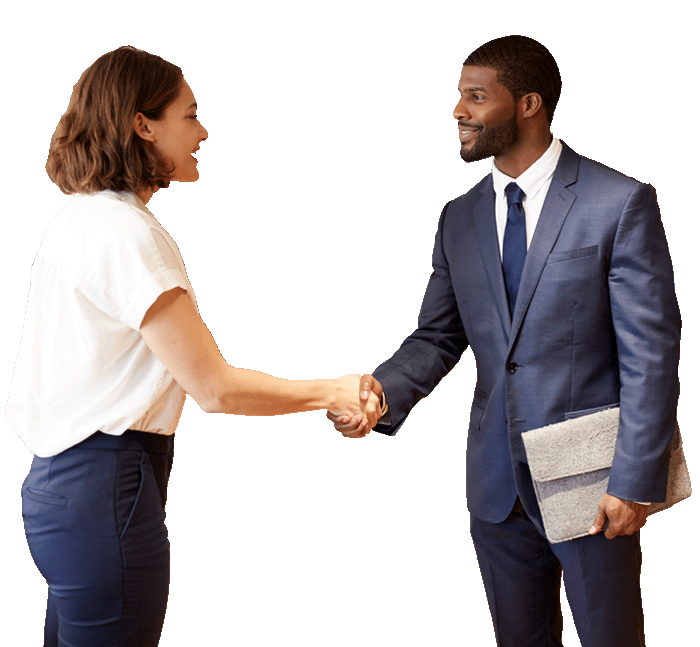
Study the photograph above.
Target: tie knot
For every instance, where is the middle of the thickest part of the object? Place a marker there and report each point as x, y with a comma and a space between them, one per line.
514, 194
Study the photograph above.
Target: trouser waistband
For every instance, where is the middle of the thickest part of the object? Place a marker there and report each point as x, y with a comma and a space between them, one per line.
130, 440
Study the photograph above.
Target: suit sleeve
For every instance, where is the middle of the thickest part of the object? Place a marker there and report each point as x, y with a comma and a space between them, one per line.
647, 327
431, 351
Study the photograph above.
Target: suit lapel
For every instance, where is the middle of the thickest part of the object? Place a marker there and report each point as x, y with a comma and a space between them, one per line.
487, 237
554, 211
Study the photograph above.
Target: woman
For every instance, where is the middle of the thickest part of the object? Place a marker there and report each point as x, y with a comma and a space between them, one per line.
112, 343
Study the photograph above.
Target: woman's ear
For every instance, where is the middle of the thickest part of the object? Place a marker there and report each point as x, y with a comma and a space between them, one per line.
142, 127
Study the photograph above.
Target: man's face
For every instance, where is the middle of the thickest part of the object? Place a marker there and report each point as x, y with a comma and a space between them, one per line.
485, 114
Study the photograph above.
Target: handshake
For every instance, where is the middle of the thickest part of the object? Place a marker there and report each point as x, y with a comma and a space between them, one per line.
359, 404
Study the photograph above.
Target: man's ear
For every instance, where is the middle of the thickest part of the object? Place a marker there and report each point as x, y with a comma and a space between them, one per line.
531, 104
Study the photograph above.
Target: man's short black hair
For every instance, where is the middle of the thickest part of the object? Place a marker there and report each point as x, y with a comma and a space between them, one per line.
523, 65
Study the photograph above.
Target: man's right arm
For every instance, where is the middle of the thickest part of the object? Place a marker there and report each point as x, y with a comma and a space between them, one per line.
425, 356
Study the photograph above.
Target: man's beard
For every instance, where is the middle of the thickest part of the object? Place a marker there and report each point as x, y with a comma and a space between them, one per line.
492, 141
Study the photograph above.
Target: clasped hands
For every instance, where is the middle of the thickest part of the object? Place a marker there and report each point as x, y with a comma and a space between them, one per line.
359, 409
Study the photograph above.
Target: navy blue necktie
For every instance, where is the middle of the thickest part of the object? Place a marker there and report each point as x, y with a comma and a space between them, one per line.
514, 242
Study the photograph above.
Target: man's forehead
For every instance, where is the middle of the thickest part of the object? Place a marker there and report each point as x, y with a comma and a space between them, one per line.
478, 76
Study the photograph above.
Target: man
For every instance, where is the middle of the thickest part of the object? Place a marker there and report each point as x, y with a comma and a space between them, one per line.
555, 270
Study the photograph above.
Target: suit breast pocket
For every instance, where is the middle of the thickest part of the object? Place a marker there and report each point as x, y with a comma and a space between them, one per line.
573, 254
573, 285
572, 267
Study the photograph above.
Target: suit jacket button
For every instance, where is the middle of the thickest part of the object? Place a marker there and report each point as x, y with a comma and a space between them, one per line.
511, 367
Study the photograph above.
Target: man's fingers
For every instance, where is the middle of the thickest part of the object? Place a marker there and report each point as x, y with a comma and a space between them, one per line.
612, 531
598, 522
369, 384
365, 386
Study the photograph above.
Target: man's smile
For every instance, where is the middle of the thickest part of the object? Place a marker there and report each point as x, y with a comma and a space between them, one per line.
467, 132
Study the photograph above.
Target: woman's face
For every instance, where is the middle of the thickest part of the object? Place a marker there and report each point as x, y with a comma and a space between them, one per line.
177, 135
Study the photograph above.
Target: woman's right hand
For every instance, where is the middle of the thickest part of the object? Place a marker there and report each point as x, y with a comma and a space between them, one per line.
347, 404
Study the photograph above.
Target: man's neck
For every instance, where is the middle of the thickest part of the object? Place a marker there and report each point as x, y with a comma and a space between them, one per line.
516, 162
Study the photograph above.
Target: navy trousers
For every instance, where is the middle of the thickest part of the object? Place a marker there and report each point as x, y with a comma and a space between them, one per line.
94, 517
522, 574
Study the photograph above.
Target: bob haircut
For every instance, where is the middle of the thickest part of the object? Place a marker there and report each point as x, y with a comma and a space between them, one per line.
95, 146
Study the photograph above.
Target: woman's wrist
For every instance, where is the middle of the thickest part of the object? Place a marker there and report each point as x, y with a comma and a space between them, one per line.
329, 397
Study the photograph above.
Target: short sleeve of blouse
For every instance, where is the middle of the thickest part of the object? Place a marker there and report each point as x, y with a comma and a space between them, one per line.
126, 262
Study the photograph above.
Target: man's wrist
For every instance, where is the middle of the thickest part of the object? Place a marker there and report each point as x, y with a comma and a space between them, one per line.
384, 406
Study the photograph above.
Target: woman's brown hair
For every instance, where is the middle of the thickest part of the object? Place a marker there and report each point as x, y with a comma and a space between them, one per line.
95, 147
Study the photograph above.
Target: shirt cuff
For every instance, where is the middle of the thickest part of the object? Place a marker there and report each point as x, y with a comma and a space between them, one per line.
385, 417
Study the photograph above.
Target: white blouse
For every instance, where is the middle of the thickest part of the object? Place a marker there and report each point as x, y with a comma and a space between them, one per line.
83, 365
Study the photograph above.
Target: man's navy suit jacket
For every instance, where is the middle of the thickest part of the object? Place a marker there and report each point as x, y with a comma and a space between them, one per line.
596, 323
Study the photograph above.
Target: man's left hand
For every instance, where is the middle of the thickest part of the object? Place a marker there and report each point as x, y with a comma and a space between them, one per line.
624, 517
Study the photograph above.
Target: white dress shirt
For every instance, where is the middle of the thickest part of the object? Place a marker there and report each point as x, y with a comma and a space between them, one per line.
534, 182
83, 365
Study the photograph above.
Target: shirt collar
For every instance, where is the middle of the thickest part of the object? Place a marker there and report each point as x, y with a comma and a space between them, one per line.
535, 177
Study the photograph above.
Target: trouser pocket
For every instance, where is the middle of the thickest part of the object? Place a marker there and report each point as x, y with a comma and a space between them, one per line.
129, 481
